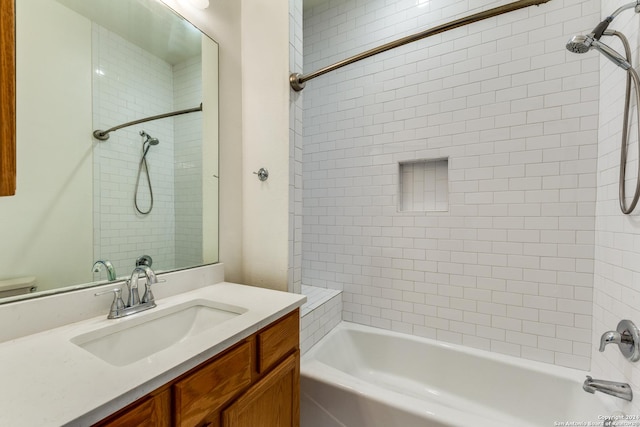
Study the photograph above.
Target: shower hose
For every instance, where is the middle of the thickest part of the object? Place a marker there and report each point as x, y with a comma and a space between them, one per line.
632, 76
143, 164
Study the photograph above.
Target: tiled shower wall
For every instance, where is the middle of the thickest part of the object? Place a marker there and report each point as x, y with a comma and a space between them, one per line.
128, 84
509, 266
187, 82
617, 256
294, 280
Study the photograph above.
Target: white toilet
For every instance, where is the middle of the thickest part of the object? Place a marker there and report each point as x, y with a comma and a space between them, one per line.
17, 286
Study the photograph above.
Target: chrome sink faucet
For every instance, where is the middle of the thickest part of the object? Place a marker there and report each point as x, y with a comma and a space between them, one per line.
132, 285
621, 390
134, 303
111, 271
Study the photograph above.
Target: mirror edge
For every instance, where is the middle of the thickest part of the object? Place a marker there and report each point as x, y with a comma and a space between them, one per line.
7, 99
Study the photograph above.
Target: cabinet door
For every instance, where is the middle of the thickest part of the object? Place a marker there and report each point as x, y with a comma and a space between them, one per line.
152, 411
207, 390
274, 401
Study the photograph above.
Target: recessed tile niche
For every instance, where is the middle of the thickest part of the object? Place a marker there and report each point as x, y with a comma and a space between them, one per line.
424, 185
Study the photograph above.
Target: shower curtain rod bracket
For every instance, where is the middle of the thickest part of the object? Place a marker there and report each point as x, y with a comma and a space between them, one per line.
296, 83
103, 135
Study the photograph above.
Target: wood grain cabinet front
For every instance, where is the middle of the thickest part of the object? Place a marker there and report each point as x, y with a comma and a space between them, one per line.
208, 389
255, 383
274, 401
152, 410
7, 99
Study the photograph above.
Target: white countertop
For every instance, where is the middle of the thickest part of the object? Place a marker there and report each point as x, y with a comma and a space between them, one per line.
46, 380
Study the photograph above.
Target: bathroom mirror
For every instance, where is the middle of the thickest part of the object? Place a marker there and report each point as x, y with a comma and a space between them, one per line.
83, 65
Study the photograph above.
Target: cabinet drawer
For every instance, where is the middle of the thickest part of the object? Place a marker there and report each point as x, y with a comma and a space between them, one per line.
277, 341
152, 410
213, 385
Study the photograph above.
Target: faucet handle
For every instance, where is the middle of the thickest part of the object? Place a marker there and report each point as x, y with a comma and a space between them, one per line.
610, 337
148, 295
627, 336
117, 305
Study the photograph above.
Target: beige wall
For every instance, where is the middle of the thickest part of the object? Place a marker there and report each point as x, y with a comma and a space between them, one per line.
54, 159
265, 126
254, 41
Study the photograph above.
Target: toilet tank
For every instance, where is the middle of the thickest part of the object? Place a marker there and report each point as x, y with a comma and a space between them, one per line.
17, 286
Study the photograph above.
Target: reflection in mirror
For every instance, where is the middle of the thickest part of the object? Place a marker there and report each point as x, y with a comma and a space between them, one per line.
84, 65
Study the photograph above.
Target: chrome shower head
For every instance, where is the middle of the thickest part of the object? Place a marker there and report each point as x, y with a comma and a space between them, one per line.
579, 44
149, 139
583, 44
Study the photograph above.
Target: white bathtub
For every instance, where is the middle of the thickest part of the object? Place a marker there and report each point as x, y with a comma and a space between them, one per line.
358, 376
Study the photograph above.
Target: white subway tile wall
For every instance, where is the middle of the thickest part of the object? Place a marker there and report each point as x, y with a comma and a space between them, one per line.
617, 237
187, 86
130, 83
295, 151
509, 266
319, 315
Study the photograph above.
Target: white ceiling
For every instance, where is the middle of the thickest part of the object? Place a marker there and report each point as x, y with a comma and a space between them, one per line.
148, 24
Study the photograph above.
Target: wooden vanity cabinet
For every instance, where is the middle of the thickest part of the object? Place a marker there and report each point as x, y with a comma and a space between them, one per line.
255, 383
273, 401
153, 410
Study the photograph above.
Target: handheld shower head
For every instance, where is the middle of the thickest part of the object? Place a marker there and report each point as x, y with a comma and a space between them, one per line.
583, 44
149, 139
579, 44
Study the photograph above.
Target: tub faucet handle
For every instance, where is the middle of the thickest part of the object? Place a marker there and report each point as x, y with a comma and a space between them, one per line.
610, 337
627, 337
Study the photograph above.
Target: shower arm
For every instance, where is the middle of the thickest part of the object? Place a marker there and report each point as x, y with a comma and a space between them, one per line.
103, 135
635, 4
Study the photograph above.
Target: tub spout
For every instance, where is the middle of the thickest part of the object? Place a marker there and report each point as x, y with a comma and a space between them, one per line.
621, 390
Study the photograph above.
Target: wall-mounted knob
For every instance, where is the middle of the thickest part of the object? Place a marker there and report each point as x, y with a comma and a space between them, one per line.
262, 173
627, 337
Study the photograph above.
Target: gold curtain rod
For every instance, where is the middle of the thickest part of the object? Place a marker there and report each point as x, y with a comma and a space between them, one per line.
298, 80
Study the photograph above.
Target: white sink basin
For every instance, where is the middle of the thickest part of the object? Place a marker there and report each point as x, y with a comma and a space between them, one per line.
131, 339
